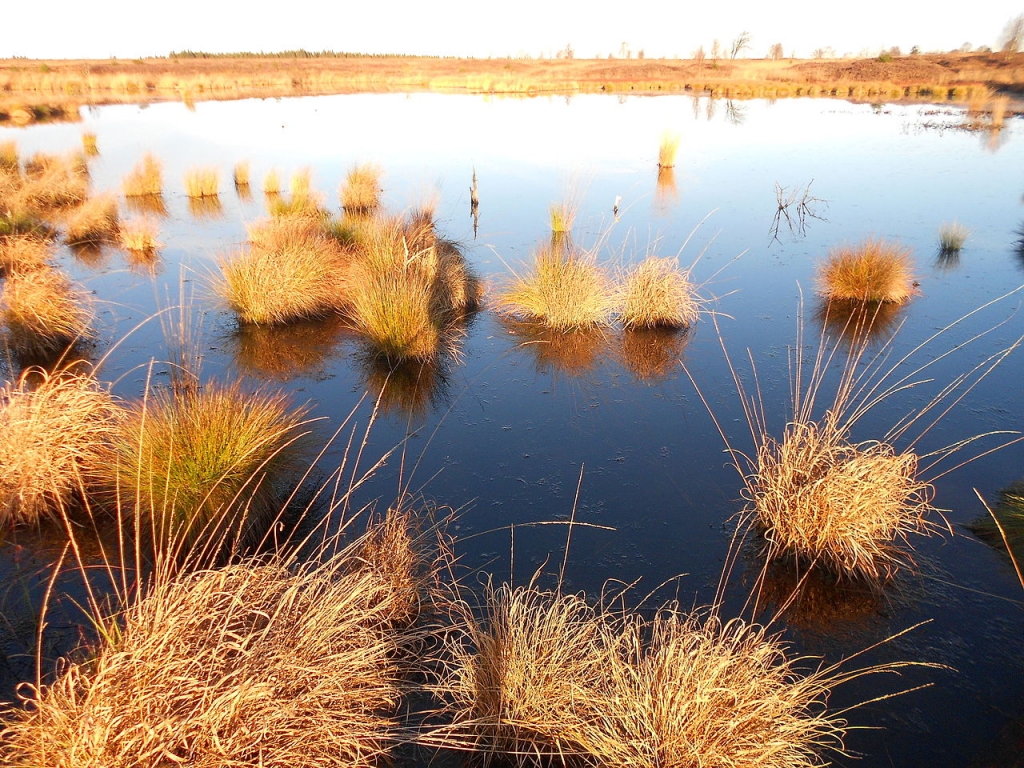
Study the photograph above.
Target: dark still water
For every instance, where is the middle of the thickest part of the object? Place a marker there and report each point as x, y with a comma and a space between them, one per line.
505, 433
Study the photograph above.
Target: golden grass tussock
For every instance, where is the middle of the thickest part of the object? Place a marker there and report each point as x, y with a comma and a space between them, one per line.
566, 290
23, 253
140, 235
94, 221
657, 293
407, 288
821, 499
874, 271
668, 149
201, 471
202, 182
272, 183
43, 312
146, 179
292, 270
89, 145
54, 430
241, 174
545, 678
361, 190
524, 682
10, 159
259, 663
53, 182
952, 236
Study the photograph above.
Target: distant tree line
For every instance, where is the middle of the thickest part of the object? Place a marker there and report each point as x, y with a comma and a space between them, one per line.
301, 53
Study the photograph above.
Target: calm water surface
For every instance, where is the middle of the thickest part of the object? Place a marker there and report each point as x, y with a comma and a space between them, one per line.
512, 424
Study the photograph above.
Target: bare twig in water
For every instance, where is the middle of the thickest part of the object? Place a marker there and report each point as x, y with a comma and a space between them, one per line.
796, 206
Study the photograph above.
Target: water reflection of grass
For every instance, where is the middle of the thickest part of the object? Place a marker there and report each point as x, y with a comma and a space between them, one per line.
653, 354
573, 352
858, 321
286, 351
1003, 528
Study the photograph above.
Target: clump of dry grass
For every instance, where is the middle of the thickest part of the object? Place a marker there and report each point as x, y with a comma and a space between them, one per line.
543, 677
200, 470
667, 150
565, 291
241, 174
94, 221
272, 183
23, 253
684, 690
89, 146
53, 432
952, 236
525, 681
43, 312
407, 288
846, 507
361, 190
658, 294
292, 270
139, 235
202, 182
254, 664
53, 182
146, 179
875, 271
10, 160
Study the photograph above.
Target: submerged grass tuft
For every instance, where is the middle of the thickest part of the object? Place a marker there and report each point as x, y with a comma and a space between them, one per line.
361, 191
202, 182
667, 150
952, 236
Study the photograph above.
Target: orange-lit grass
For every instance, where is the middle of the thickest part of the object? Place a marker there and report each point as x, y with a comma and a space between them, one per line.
204, 469
407, 287
139, 235
874, 271
263, 662
292, 270
146, 179
564, 290
94, 221
23, 253
361, 190
43, 313
54, 430
667, 150
53, 182
656, 293
202, 182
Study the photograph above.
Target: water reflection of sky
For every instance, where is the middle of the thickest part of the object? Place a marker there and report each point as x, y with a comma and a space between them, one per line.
513, 425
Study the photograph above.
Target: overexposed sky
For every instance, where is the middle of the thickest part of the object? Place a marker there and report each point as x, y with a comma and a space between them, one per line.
102, 28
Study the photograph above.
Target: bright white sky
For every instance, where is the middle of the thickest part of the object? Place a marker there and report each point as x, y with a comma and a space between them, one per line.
131, 28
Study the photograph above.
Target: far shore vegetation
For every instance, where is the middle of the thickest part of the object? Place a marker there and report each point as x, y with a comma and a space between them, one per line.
34, 90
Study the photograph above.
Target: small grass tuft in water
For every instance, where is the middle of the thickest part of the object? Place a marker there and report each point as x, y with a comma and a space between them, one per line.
874, 271
241, 174
54, 430
202, 182
89, 146
563, 290
408, 287
146, 179
94, 221
361, 190
821, 499
139, 235
667, 150
952, 236
658, 294
292, 270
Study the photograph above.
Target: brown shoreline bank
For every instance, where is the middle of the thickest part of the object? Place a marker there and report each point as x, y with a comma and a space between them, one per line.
32, 90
